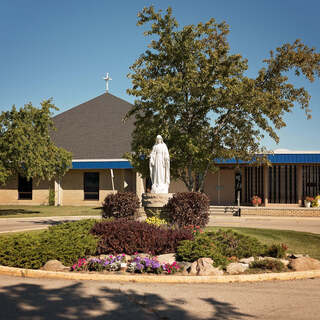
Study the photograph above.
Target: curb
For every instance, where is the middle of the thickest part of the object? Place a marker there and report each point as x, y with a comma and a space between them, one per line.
29, 273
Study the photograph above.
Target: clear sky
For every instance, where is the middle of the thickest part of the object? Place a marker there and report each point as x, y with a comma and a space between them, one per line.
63, 48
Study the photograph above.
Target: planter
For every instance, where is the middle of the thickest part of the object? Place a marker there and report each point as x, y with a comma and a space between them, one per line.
307, 204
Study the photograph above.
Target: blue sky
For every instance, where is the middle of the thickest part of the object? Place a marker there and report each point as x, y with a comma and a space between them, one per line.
62, 49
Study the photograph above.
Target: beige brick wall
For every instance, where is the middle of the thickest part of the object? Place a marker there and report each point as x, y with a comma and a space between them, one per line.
285, 211
72, 185
71, 188
9, 193
220, 190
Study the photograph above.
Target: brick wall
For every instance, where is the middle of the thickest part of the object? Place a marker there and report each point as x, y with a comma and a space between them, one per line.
294, 212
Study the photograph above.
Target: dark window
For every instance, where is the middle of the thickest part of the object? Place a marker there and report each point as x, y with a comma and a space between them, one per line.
310, 180
253, 183
91, 185
283, 184
24, 188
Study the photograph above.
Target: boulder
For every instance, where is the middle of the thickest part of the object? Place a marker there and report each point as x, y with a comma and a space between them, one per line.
166, 258
54, 265
247, 260
185, 265
204, 267
285, 262
236, 268
304, 264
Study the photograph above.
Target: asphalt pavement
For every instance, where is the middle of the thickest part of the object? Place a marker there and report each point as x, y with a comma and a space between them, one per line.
37, 299
307, 224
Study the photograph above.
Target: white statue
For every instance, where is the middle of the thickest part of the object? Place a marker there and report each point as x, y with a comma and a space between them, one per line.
160, 167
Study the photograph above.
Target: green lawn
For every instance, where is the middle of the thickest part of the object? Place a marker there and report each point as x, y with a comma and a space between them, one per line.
298, 242
47, 211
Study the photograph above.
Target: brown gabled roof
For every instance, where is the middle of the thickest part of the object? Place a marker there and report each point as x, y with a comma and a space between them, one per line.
94, 129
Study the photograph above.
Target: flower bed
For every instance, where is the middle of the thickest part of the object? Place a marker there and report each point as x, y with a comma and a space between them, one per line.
136, 264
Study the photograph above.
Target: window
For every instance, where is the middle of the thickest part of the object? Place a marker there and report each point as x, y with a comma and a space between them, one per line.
24, 188
91, 185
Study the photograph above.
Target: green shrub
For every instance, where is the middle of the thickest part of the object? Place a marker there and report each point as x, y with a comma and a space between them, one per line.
276, 251
268, 264
188, 208
22, 251
69, 241
234, 244
52, 196
65, 242
202, 246
120, 205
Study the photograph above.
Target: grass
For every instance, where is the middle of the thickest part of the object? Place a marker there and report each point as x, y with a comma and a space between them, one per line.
47, 211
298, 242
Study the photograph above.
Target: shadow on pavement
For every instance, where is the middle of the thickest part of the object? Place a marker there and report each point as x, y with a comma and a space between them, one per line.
5, 212
49, 222
30, 301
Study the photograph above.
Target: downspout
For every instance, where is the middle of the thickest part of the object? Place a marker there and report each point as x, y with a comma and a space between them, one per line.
59, 198
112, 177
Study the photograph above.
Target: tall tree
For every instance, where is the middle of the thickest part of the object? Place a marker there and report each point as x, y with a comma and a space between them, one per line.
194, 92
26, 147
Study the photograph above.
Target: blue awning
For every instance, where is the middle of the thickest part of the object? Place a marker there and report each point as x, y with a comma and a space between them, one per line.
101, 165
279, 158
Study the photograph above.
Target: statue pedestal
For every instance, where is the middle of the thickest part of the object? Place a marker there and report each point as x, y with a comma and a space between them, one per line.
153, 203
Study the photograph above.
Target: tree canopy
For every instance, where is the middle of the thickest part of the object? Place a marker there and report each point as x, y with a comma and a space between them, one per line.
26, 147
195, 93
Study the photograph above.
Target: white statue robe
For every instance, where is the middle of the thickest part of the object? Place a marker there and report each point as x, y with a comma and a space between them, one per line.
160, 168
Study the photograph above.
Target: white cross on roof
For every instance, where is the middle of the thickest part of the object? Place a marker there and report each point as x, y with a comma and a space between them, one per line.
107, 79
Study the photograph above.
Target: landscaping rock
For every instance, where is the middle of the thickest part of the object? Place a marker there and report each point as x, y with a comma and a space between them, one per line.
144, 255
167, 258
185, 265
247, 260
54, 265
127, 258
104, 256
285, 262
304, 264
204, 267
235, 268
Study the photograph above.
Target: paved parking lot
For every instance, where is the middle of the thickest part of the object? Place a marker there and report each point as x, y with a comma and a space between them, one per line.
60, 299
281, 223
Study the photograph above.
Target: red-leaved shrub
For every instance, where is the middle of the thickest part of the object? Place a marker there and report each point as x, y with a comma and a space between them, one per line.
129, 236
188, 208
120, 205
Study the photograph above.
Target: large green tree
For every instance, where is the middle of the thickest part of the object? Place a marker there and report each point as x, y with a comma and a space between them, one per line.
195, 93
26, 147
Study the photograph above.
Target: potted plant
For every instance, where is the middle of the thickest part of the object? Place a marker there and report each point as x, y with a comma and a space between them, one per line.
308, 201
256, 201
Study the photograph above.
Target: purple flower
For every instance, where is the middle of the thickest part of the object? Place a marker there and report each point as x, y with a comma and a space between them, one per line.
147, 262
139, 266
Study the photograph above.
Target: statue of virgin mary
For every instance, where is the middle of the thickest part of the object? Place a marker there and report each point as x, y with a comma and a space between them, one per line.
160, 167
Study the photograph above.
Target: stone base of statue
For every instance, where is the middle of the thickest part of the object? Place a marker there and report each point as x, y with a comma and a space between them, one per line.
153, 203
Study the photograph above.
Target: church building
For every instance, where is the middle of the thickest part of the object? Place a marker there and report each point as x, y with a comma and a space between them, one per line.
98, 138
